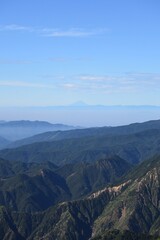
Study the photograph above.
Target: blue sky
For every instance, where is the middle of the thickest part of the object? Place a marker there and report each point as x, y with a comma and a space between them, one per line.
57, 52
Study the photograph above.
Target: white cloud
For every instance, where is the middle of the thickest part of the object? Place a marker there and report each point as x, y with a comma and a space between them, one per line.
14, 27
126, 78
124, 83
24, 84
54, 32
127, 82
73, 32
94, 78
69, 85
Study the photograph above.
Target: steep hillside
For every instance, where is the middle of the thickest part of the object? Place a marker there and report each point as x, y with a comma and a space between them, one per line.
137, 208
36, 193
84, 178
3, 142
69, 220
132, 206
35, 187
129, 210
12, 168
124, 235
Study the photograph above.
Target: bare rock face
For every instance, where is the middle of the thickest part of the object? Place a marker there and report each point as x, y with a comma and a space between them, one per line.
136, 209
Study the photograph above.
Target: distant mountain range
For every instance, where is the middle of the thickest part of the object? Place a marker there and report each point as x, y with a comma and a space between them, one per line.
88, 132
85, 115
85, 105
89, 145
15, 130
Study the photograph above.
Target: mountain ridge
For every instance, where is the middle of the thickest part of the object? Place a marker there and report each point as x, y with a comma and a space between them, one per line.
15, 130
96, 131
134, 148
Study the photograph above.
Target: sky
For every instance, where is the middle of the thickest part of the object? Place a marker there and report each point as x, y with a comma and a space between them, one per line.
59, 52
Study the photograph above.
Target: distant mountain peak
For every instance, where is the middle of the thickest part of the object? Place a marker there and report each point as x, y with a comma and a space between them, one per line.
79, 104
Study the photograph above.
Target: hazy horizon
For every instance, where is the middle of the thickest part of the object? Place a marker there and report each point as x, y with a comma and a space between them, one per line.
57, 53
84, 116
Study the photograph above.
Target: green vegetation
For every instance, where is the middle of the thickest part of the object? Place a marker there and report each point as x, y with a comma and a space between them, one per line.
83, 133
31, 187
133, 148
82, 197
132, 209
3, 142
124, 235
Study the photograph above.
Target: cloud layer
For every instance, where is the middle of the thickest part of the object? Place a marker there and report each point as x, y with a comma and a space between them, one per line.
124, 83
24, 84
54, 32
